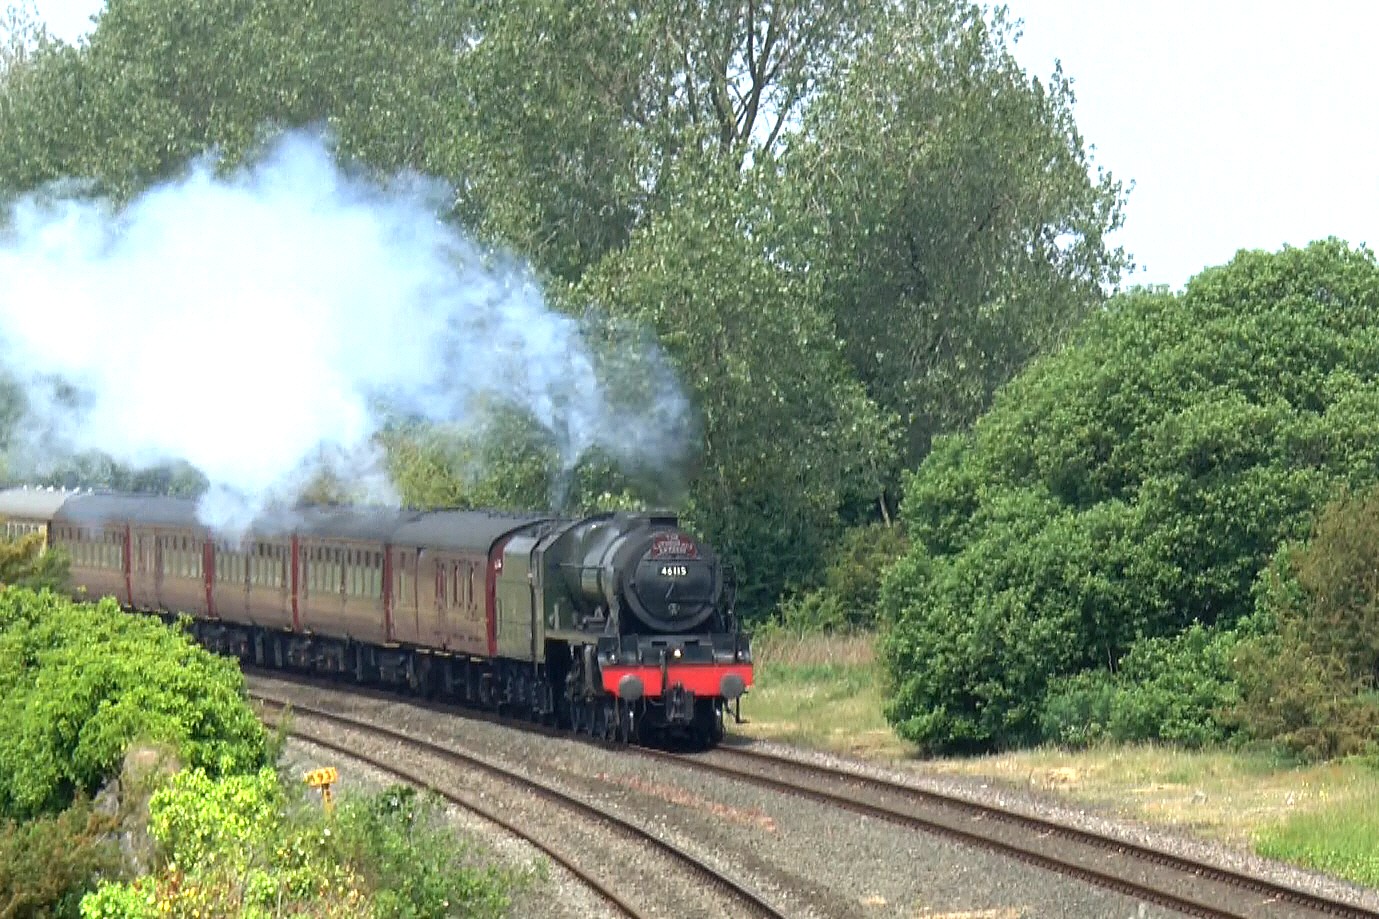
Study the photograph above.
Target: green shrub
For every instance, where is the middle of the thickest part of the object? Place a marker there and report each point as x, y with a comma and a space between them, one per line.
79, 682
847, 599
48, 864
1128, 486
1177, 689
1078, 709
236, 846
1308, 683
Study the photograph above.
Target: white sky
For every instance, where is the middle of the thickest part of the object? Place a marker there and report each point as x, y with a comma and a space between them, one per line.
1243, 123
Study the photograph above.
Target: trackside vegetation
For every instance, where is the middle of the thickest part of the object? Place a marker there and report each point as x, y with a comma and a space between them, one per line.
80, 682
874, 251
245, 846
838, 266
1100, 556
135, 781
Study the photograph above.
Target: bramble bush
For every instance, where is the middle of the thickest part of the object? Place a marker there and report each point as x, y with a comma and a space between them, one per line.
79, 682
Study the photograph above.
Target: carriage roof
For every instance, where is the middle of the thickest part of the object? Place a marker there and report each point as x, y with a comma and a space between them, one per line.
32, 503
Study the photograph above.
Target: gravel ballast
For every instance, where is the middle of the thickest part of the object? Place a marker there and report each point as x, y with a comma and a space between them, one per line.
809, 859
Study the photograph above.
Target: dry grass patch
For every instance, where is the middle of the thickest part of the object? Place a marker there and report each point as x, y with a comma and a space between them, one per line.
827, 692
820, 691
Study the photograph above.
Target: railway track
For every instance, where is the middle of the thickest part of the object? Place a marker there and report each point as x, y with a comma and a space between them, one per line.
1168, 880
1165, 879
748, 902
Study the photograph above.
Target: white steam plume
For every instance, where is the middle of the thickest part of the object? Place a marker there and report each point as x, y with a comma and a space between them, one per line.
251, 325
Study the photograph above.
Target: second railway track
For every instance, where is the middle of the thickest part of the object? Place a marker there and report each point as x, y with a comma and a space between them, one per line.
1172, 881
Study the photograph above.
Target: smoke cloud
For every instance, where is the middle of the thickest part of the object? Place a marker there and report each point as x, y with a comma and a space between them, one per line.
261, 325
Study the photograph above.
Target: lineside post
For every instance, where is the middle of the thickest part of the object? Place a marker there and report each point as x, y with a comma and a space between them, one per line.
323, 779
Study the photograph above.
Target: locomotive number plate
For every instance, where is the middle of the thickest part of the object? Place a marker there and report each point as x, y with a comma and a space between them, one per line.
674, 571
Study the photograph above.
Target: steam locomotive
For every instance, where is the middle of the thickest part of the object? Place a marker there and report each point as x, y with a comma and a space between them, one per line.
616, 625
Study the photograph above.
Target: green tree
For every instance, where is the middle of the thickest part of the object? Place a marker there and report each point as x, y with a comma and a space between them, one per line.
573, 118
1130, 485
946, 204
789, 437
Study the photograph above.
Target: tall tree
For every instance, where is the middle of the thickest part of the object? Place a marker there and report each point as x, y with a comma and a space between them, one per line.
21, 32
946, 201
790, 438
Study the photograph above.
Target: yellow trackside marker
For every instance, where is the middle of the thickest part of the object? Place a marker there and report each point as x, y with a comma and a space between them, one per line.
323, 779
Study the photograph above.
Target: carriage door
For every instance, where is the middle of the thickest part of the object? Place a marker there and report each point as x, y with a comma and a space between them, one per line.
157, 540
405, 624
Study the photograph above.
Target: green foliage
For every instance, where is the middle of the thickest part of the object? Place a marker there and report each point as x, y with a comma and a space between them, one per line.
1309, 683
1178, 689
79, 682
947, 208
1130, 485
236, 846
509, 462
813, 204
48, 864
789, 438
412, 862
198, 819
847, 598
25, 562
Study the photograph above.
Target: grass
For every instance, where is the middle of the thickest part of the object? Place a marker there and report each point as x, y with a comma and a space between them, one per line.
820, 692
827, 692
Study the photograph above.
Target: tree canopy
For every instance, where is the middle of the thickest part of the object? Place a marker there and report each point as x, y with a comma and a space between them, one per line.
846, 223
1130, 485
947, 204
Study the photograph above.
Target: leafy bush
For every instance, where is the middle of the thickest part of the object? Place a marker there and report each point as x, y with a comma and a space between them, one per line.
1178, 689
1129, 486
79, 682
237, 846
1078, 709
847, 599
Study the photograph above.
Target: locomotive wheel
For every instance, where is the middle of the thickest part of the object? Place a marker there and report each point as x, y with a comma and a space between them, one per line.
707, 727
